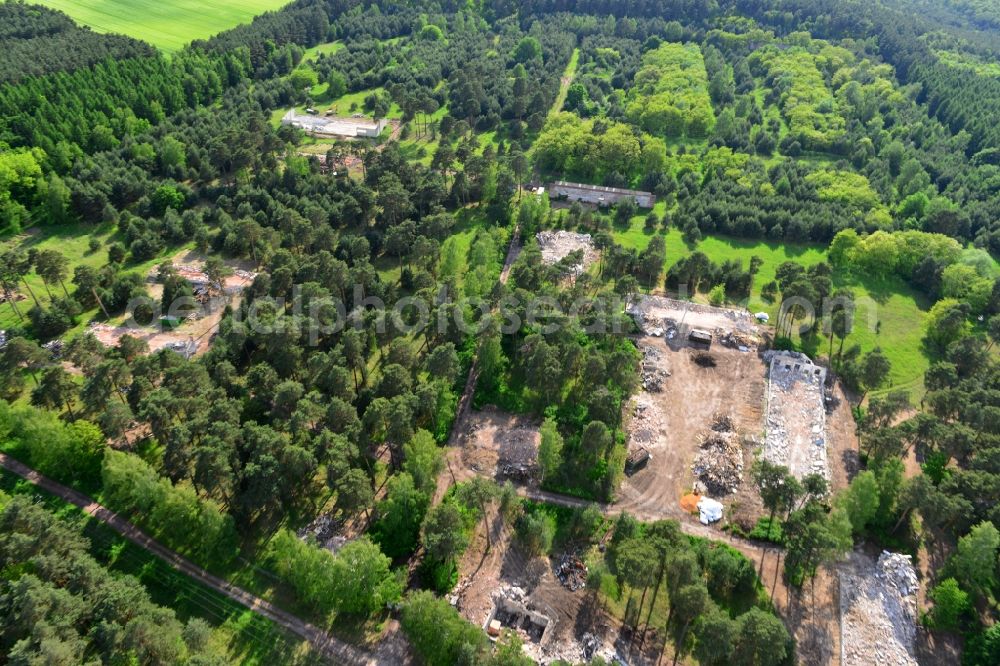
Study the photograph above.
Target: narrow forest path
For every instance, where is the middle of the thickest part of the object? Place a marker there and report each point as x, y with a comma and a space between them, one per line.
336, 651
565, 82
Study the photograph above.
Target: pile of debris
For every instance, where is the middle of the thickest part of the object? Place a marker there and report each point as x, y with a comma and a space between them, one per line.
745, 342
572, 572
653, 375
723, 423
557, 245
718, 467
55, 349
645, 428
186, 348
879, 613
323, 530
796, 415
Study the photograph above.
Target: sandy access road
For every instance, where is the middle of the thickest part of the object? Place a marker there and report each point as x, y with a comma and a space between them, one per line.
336, 651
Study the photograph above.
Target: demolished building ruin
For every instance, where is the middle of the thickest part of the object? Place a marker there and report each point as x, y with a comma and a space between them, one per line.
796, 414
878, 607
557, 245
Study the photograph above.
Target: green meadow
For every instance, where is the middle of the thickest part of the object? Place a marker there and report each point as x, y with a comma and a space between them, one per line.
166, 24
890, 314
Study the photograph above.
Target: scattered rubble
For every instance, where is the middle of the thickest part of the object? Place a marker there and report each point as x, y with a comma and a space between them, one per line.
653, 376
660, 316
186, 348
54, 348
572, 572
324, 531
796, 414
718, 466
513, 611
879, 613
646, 427
745, 342
557, 245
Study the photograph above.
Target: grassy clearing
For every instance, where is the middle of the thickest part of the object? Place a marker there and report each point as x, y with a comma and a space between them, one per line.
166, 24
567, 79
323, 49
890, 313
72, 240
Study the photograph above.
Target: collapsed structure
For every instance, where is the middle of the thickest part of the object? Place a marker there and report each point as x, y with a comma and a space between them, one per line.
796, 414
513, 611
878, 611
335, 126
696, 324
557, 245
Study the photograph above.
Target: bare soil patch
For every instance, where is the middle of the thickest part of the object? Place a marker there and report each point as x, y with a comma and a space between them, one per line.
500, 445
674, 422
194, 335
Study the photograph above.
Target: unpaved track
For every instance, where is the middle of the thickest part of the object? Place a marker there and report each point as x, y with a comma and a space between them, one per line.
333, 649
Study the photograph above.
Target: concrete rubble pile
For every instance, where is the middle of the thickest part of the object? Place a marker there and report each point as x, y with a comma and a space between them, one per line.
557, 245
796, 415
879, 613
572, 572
718, 466
645, 428
653, 375
323, 530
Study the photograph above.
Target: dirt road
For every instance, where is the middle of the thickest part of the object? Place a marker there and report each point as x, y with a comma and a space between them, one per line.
333, 649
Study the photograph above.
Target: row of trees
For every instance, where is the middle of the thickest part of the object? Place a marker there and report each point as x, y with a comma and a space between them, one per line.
60, 604
37, 40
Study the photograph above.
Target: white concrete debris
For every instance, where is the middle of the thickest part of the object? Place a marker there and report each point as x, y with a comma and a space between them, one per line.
878, 610
659, 316
718, 465
796, 414
646, 428
557, 245
653, 375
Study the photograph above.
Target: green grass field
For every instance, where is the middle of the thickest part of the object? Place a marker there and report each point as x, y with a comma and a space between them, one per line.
890, 314
166, 24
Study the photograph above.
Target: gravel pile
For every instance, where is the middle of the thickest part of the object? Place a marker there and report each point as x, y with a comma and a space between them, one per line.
879, 613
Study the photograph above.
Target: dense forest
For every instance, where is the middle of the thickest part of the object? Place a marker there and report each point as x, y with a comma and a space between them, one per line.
861, 131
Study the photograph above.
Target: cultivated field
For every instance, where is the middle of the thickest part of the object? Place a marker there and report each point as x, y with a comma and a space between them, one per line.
166, 24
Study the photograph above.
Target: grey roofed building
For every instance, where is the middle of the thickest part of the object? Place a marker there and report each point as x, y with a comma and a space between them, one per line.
599, 195
336, 126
